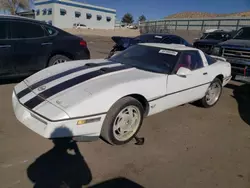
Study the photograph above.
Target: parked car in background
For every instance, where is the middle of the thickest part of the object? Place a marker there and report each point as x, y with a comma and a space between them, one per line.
27, 46
132, 27
122, 43
237, 52
209, 40
80, 26
109, 98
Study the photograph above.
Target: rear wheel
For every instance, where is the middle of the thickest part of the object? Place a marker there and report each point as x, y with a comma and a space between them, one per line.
213, 94
123, 121
57, 59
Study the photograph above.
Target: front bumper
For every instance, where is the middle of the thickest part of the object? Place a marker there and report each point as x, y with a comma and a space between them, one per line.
58, 129
226, 80
239, 67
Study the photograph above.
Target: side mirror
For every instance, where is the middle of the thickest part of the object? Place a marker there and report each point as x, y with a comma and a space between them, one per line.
183, 72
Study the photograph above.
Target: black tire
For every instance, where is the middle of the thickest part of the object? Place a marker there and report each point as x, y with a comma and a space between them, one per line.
56, 58
204, 102
107, 128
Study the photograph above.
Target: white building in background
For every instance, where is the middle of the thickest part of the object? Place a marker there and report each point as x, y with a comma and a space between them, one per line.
66, 13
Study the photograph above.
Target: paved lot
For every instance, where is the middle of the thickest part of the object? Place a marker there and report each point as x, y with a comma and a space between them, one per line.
187, 147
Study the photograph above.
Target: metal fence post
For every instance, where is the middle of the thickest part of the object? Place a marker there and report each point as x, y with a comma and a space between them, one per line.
218, 27
188, 25
155, 26
176, 25
202, 25
238, 23
165, 25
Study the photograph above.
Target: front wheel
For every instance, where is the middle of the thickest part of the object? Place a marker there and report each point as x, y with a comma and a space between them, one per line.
213, 94
123, 121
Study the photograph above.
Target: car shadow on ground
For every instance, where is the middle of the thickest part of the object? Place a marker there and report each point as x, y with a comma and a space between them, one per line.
61, 167
117, 183
241, 94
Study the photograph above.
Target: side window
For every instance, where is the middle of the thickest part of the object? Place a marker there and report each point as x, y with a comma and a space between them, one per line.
171, 40
175, 40
3, 30
210, 60
63, 12
191, 60
23, 30
167, 40
88, 16
49, 30
98, 17
77, 14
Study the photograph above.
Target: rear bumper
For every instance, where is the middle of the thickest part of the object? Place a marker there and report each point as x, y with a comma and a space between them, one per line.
82, 55
58, 129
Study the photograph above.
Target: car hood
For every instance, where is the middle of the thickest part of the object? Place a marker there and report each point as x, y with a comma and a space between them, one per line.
236, 43
67, 84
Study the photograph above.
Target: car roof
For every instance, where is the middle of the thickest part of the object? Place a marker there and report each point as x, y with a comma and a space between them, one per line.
11, 17
177, 47
158, 34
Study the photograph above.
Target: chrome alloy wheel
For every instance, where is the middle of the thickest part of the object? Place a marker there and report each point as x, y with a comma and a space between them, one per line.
213, 93
58, 61
126, 123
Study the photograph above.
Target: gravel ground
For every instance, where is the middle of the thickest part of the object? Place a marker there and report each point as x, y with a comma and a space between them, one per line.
186, 146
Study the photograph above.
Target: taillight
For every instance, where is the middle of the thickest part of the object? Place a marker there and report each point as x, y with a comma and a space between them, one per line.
83, 43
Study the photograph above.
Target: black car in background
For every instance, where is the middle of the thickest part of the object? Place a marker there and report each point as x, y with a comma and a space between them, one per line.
209, 40
122, 43
27, 46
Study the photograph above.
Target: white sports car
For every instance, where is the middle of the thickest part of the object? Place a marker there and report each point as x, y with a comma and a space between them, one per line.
109, 98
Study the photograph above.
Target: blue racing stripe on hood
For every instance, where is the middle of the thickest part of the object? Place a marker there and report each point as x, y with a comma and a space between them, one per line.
57, 76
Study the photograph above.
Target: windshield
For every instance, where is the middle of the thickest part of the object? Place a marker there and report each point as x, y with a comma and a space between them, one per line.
243, 34
148, 58
216, 36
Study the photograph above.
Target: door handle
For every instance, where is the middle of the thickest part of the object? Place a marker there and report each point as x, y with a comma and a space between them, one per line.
205, 73
5, 46
46, 43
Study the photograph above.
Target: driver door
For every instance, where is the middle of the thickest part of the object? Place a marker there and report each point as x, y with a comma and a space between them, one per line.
191, 87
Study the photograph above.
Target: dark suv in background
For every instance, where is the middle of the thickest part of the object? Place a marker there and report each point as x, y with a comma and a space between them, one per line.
237, 52
209, 40
27, 46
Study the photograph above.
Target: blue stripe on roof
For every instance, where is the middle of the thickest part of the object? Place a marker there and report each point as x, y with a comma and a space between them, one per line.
75, 5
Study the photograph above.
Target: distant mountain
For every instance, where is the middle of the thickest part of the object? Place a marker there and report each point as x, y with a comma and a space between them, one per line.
207, 15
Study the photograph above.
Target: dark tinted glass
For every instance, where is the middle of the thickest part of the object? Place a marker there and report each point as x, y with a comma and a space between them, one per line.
215, 36
172, 40
49, 30
148, 58
150, 38
22, 30
176, 40
210, 60
243, 34
191, 60
3, 30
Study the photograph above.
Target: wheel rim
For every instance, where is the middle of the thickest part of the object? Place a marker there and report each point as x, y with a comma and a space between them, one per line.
213, 93
126, 123
58, 61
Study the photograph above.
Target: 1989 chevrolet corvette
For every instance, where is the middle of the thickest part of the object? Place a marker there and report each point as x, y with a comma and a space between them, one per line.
109, 98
